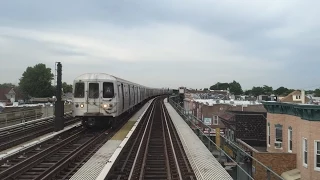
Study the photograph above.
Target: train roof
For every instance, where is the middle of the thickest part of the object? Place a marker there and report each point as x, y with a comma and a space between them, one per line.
103, 76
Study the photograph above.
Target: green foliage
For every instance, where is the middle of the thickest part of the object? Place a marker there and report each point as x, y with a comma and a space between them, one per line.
267, 90
282, 91
7, 85
248, 92
220, 86
234, 87
67, 88
256, 91
36, 81
317, 92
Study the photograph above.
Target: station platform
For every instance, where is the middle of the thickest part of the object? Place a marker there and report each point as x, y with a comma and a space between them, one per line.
204, 164
102, 159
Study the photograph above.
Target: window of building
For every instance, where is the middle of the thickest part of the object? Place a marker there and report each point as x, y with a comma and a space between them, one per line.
278, 139
305, 152
268, 134
317, 155
290, 139
215, 120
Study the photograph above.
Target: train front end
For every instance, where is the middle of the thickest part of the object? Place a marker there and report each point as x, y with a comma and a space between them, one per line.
94, 102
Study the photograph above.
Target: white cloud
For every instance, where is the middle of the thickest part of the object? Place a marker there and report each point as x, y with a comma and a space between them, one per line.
156, 42
249, 41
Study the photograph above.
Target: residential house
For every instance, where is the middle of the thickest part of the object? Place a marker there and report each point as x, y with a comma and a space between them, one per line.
7, 95
295, 129
297, 96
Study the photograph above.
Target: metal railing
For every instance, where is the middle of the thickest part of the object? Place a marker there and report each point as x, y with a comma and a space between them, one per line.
240, 170
22, 115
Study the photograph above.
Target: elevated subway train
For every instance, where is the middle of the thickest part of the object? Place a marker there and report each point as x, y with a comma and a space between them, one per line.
100, 99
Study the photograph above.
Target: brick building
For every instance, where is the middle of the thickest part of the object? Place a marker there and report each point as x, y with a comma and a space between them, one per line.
207, 114
248, 126
295, 129
208, 111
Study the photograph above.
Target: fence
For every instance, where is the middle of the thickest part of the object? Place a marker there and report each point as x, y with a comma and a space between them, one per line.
238, 168
22, 115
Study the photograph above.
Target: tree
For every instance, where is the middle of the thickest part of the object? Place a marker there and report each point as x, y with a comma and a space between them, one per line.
220, 86
7, 85
36, 81
235, 88
256, 91
281, 91
267, 90
248, 92
317, 92
66, 87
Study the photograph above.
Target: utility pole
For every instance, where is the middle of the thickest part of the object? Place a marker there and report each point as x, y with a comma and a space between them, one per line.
59, 105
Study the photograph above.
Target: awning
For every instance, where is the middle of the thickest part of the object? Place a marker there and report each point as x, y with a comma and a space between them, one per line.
293, 174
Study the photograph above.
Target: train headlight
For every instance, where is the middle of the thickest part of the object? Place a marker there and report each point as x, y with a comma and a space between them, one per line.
81, 105
107, 106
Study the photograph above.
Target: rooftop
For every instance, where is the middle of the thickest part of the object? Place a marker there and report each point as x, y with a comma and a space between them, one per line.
211, 102
309, 112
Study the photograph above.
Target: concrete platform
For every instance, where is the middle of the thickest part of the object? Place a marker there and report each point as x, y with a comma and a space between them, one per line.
204, 164
98, 165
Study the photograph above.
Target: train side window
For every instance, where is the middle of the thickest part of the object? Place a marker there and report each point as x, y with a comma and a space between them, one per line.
108, 90
93, 90
79, 90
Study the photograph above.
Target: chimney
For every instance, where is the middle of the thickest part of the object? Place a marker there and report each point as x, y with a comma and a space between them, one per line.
303, 96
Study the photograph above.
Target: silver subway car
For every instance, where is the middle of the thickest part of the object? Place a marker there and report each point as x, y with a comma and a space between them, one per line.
100, 99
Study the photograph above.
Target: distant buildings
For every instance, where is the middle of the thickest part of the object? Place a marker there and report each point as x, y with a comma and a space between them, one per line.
9, 95
283, 133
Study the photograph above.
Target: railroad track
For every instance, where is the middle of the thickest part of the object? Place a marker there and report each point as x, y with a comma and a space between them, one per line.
58, 158
155, 151
15, 136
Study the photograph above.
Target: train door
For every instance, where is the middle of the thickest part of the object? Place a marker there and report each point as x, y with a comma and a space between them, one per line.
139, 95
93, 99
119, 99
129, 96
126, 97
134, 95
122, 92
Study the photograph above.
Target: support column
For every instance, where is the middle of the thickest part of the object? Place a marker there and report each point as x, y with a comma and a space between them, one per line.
59, 105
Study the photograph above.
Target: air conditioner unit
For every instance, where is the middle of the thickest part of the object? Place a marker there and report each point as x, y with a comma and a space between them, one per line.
278, 144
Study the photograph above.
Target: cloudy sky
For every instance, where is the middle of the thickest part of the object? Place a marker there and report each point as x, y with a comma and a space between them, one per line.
167, 43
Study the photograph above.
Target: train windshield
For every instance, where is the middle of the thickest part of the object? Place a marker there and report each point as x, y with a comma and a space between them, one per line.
108, 90
79, 90
94, 90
